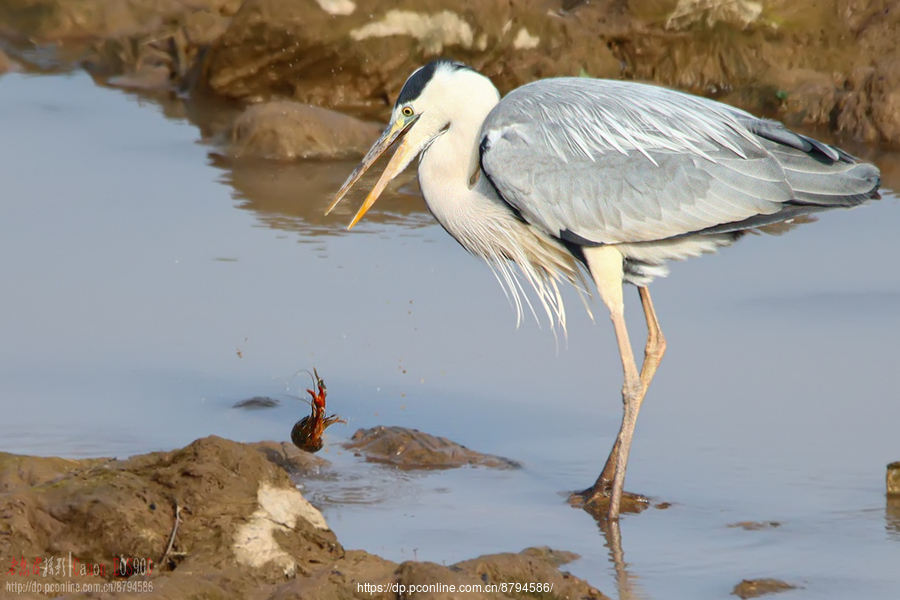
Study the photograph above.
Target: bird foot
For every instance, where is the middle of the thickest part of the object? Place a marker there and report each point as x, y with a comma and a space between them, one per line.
595, 500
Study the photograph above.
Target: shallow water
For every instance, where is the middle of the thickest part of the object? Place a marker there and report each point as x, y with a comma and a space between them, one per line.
148, 285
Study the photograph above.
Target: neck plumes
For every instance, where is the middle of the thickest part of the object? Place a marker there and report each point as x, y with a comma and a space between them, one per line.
465, 203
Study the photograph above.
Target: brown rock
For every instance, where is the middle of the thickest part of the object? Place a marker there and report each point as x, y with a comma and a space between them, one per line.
146, 77
753, 588
298, 50
7, 64
791, 59
709, 13
161, 55
804, 96
871, 109
893, 479
652, 11
832, 64
55, 20
755, 525
51, 20
288, 130
412, 449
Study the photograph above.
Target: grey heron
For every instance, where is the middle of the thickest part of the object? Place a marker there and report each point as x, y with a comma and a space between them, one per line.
616, 177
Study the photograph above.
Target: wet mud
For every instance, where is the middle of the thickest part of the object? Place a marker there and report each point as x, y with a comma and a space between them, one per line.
410, 449
754, 588
221, 519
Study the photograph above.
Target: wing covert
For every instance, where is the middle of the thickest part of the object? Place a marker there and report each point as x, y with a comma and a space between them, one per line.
602, 161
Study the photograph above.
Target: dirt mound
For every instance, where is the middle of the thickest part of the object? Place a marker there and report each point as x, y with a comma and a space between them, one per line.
218, 519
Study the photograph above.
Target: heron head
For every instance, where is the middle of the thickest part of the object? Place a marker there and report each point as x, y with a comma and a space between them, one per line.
422, 113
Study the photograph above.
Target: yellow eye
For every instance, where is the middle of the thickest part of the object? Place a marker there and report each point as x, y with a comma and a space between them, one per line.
407, 111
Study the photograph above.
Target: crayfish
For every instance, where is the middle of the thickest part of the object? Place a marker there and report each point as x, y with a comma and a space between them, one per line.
307, 432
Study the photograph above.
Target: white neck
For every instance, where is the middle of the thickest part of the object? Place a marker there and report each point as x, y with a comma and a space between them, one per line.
447, 168
484, 224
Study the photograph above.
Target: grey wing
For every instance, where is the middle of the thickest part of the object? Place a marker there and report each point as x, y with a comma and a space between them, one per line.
597, 161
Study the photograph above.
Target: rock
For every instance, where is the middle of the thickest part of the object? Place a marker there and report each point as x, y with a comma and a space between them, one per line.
159, 57
412, 449
753, 588
803, 96
359, 57
289, 130
146, 77
302, 51
829, 64
7, 64
740, 13
870, 111
755, 525
55, 20
893, 479
256, 403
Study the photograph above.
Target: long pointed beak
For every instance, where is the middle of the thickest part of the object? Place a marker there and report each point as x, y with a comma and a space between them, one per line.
396, 130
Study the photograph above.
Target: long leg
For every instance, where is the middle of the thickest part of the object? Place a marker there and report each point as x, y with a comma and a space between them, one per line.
653, 353
656, 342
606, 266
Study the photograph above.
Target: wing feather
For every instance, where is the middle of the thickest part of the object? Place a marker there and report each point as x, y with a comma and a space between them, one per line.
601, 161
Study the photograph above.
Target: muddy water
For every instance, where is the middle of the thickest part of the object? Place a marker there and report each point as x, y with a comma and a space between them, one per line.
148, 285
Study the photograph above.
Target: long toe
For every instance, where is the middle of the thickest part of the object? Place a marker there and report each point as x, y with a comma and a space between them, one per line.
595, 501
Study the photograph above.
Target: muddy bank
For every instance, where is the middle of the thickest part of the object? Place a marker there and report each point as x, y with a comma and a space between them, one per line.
833, 64
216, 519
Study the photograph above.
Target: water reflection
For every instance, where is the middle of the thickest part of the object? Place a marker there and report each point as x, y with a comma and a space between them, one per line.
294, 196
892, 517
627, 583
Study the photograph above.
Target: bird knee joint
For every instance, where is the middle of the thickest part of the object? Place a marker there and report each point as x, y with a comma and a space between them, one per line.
630, 391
